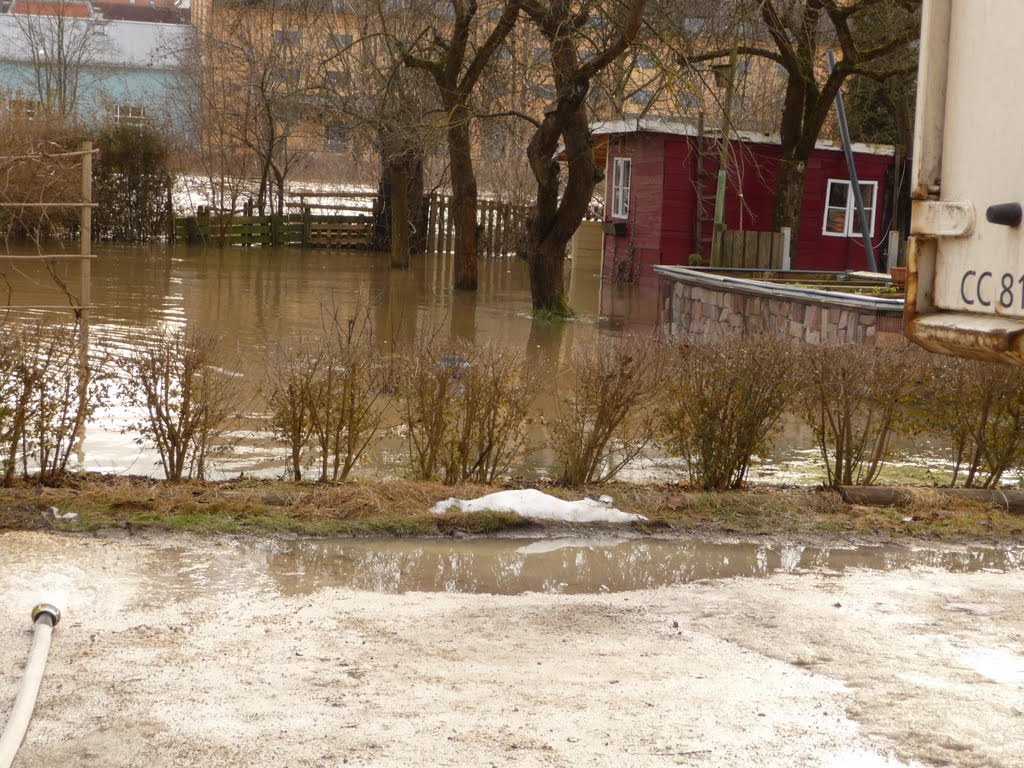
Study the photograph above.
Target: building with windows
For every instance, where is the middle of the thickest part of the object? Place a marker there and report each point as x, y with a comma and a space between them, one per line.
661, 178
93, 61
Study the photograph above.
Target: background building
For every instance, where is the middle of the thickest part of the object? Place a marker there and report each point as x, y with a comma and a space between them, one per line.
93, 62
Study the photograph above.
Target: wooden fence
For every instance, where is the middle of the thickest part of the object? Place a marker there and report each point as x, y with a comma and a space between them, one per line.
501, 227
754, 250
346, 221
303, 230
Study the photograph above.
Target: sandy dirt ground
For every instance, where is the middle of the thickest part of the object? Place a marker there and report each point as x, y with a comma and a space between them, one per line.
866, 669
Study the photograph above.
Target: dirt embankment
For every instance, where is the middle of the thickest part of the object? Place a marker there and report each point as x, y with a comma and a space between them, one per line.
402, 508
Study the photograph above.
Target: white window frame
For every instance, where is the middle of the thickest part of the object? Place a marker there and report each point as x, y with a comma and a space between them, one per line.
850, 210
130, 114
622, 176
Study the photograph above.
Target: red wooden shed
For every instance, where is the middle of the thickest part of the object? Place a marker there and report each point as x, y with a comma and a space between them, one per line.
659, 172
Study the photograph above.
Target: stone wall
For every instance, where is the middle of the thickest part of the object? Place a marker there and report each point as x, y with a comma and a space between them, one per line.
691, 308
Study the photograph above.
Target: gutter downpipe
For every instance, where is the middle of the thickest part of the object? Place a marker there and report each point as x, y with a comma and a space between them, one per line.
858, 198
44, 618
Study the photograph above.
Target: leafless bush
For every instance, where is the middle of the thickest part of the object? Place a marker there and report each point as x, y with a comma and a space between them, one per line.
17, 383
608, 415
185, 396
979, 408
725, 402
465, 408
328, 396
47, 392
35, 168
292, 370
855, 398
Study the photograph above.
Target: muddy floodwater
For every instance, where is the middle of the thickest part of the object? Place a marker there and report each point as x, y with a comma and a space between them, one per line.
259, 298
515, 566
222, 652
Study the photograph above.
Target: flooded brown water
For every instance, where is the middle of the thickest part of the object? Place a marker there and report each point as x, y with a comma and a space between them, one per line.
258, 297
516, 566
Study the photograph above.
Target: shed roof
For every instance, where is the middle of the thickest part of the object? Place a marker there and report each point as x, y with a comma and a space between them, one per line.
678, 127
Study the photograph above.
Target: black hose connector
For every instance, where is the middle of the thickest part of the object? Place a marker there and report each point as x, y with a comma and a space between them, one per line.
44, 611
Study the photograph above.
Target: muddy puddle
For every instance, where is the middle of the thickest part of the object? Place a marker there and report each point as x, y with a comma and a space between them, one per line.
508, 567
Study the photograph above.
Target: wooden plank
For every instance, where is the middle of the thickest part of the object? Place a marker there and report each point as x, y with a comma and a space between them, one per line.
431, 221
728, 248
449, 226
749, 249
775, 262
764, 250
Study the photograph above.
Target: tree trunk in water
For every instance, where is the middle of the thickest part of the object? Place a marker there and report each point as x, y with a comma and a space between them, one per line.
789, 199
464, 199
399, 215
417, 205
547, 287
382, 223
555, 218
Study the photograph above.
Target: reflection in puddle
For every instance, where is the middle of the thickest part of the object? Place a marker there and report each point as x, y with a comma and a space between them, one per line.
509, 566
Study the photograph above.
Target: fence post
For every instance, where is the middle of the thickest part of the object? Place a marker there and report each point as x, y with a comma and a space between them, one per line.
431, 222
449, 225
787, 241
307, 222
86, 233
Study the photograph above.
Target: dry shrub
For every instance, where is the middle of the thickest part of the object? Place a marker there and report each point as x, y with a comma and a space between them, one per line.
609, 415
465, 410
292, 369
328, 396
35, 169
46, 394
854, 398
725, 402
979, 408
185, 396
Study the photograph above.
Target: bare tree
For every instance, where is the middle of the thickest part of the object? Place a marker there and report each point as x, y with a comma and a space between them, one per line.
368, 90
575, 59
455, 65
260, 84
794, 35
60, 47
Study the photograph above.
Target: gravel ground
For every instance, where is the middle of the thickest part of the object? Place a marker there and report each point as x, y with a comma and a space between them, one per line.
217, 667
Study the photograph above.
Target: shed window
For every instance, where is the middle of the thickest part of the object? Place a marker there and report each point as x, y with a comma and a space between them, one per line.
622, 170
841, 219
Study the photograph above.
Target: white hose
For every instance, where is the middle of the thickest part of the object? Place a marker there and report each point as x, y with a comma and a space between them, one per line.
25, 702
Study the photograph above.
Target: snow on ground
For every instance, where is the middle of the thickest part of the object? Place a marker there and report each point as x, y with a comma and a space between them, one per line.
190, 192
536, 505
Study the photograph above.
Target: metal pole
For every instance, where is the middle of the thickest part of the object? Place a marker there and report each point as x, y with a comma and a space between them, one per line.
858, 198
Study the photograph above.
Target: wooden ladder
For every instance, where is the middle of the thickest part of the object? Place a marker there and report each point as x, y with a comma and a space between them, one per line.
706, 185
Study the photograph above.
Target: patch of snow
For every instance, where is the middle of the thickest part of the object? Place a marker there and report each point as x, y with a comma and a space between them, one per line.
997, 665
862, 758
536, 505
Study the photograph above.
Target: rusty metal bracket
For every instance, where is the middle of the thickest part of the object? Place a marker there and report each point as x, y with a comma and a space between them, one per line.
942, 218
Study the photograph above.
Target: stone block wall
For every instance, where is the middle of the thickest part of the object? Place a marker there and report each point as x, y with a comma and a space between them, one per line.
700, 312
